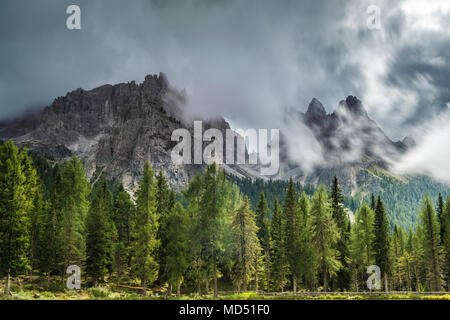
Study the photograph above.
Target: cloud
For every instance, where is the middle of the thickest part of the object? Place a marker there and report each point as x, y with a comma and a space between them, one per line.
244, 60
432, 153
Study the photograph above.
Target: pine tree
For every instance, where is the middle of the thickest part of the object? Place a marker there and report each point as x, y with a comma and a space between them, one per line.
308, 259
123, 217
441, 217
432, 250
162, 211
446, 223
263, 224
343, 277
99, 233
381, 244
325, 235
373, 204
361, 244
279, 266
14, 219
74, 209
247, 246
50, 246
293, 231
145, 228
217, 203
177, 246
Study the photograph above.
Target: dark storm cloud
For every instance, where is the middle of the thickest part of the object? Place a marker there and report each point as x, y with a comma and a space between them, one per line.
245, 60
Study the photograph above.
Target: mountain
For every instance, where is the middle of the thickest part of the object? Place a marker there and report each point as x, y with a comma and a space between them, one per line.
114, 129
349, 144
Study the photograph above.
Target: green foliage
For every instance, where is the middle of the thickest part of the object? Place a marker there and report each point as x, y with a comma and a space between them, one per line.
17, 188
279, 268
144, 264
325, 235
74, 206
99, 233
381, 245
247, 246
432, 250
177, 245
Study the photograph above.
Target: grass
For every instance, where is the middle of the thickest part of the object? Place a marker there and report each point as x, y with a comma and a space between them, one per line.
37, 290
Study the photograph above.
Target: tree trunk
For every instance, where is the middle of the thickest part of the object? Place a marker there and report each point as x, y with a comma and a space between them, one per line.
8, 284
215, 274
207, 285
325, 280
199, 287
169, 291
95, 282
144, 287
294, 282
178, 288
385, 283
48, 280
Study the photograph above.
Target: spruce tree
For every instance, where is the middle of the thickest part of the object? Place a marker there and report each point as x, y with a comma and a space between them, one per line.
432, 250
441, 217
293, 231
381, 245
50, 246
279, 267
373, 204
446, 222
307, 258
162, 211
99, 233
144, 262
263, 224
362, 236
247, 246
14, 215
343, 277
325, 235
123, 217
177, 246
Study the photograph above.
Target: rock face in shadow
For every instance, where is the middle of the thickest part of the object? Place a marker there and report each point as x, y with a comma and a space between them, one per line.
113, 129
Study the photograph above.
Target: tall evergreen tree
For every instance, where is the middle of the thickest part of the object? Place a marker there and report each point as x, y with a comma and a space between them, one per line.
177, 246
343, 277
373, 203
293, 231
162, 212
446, 222
381, 245
432, 250
441, 217
247, 246
263, 224
99, 233
325, 235
14, 220
124, 214
50, 246
361, 244
308, 259
279, 267
144, 261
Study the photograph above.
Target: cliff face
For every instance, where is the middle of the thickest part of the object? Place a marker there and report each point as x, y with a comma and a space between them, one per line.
113, 129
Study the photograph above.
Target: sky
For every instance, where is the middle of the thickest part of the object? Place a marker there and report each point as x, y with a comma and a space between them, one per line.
246, 60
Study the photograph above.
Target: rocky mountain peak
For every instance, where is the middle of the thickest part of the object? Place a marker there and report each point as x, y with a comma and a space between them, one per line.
315, 110
352, 106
